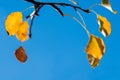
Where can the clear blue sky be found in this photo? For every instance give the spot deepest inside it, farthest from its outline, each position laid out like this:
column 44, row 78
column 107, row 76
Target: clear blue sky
column 56, row 50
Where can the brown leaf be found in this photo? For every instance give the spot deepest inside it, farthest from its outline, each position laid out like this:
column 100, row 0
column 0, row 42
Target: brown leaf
column 20, row 54
column 106, row 4
column 95, row 50
column 93, row 61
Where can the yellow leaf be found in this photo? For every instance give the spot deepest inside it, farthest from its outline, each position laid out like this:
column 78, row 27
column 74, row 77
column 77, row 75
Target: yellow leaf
column 95, row 50
column 12, row 22
column 20, row 54
column 106, row 4
column 105, row 27
column 22, row 33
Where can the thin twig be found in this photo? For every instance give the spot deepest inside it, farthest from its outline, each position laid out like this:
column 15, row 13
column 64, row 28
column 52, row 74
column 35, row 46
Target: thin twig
column 28, row 8
column 94, row 12
column 81, row 18
column 83, row 26
column 30, row 29
column 94, row 5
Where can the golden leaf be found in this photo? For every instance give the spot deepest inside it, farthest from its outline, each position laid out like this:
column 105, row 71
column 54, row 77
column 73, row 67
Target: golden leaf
column 15, row 26
column 105, row 27
column 22, row 33
column 106, row 4
column 20, row 54
column 95, row 50
column 12, row 22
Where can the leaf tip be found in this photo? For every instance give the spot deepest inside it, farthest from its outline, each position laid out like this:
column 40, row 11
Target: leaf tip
column 95, row 50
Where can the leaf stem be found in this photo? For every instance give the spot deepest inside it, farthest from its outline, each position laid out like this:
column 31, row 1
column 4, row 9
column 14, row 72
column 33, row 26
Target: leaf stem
column 94, row 12
column 81, row 18
column 83, row 26
column 28, row 8
column 92, row 6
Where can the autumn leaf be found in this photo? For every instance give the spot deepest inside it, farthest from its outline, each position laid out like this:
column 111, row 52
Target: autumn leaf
column 22, row 33
column 15, row 26
column 20, row 54
column 104, row 25
column 95, row 50
column 106, row 4
column 12, row 22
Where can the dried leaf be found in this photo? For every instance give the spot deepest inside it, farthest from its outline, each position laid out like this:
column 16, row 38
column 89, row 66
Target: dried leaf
column 22, row 33
column 95, row 50
column 12, row 22
column 106, row 4
column 104, row 25
column 20, row 54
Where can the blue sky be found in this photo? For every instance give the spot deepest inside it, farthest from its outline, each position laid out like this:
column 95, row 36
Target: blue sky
column 56, row 49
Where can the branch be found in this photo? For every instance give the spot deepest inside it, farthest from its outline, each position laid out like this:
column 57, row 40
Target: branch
column 37, row 4
column 58, row 9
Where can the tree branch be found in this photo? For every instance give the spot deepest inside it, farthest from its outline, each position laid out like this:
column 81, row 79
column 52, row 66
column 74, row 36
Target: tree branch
column 37, row 4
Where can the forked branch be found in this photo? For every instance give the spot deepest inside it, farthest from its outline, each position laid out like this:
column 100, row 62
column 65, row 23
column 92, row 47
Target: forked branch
column 39, row 5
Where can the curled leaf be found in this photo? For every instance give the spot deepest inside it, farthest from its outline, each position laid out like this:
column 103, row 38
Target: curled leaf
column 20, row 54
column 104, row 25
column 22, row 33
column 95, row 50
column 12, row 22
column 106, row 4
